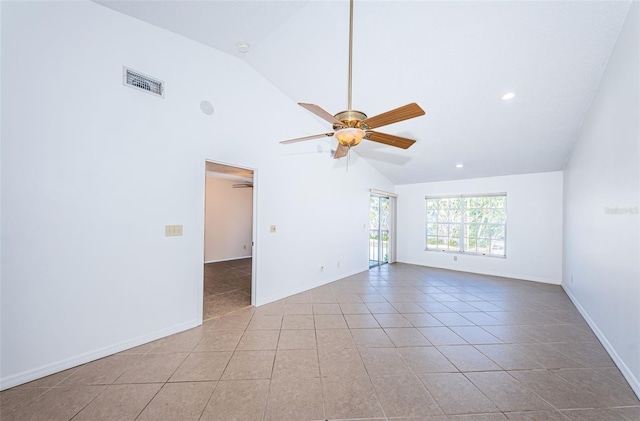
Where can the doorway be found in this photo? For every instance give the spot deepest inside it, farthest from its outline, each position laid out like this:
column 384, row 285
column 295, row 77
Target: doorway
column 229, row 261
column 379, row 230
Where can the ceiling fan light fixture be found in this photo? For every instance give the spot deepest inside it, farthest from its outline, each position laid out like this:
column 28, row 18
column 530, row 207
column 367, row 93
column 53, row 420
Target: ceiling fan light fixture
column 349, row 136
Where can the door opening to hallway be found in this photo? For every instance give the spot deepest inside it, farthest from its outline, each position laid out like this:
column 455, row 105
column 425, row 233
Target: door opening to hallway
column 228, row 239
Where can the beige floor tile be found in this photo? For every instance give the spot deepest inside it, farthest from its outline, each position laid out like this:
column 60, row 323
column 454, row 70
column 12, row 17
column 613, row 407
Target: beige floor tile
column 555, row 390
column 384, row 361
column 361, row 321
column 297, row 339
column 323, row 298
column 354, row 308
column 152, row 368
column 298, row 308
column 233, row 322
column 349, row 400
column 265, row 322
column 372, row 298
column 180, row 342
column 119, row 402
column 333, row 308
column 329, row 321
column 588, row 354
column 381, row 308
column 371, row 338
column 295, row 399
column 453, row 319
column 406, row 336
column 511, row 334
column 341, row 363
column 303, row 297
column 246, row 365
column 348, row 298
column 536, row 416
column 455, row 394
column 404, row 396
column 57, row 404
column 475, row 335
column 467, row 358
column 298, row 321
column 545, row 356
column 52, row 380
column 178, row 402
column 422, row 320
column 237, row 400
column 296, row 363
column 592, row 414
column 610, row 392
column 408, row 308
column 13, row 399
column 334, row 339
column 103, row 371
column 478, row 417
column 507, row 393
column 257, row 340
column 441, row 336
column 509, row 357
column 202, row 366
column 632, row 412
column 427, row 360
column 219, row 340
column 392, row 320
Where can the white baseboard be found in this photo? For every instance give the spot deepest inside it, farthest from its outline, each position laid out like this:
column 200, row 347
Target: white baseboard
column 227, row 260
column 46, row 370
column 624, row 369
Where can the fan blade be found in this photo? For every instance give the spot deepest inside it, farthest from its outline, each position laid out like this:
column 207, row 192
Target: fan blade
column 341, row 151
column 399, row 114
column 302, row 139
column 321, row 113
column 389, row 139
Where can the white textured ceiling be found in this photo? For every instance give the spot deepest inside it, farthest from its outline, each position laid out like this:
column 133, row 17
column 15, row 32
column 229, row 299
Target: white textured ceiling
column 454, row 58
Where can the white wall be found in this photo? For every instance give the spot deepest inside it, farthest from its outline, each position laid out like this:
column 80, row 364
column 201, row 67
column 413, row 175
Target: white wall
column 601, row 251
column 228, row 220
column 86, row 269
column 534, row 226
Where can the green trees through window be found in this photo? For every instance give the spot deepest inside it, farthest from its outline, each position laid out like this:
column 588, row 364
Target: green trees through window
column 469, row 224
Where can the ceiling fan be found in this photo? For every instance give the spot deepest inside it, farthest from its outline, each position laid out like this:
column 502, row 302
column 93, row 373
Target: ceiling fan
column 351, row 126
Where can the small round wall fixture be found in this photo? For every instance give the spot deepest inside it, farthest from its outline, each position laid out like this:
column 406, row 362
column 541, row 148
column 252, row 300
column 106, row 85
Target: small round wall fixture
column 242, row 46
column 206, row 107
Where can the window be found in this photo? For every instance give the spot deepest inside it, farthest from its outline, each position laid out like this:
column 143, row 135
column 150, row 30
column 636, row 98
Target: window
column 468, row 224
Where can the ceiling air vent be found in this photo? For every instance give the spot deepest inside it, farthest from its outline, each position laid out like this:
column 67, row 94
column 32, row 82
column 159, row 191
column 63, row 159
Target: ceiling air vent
column 143, row 82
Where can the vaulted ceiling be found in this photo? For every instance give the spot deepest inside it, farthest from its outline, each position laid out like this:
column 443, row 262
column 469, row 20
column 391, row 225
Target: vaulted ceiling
column 454, row 58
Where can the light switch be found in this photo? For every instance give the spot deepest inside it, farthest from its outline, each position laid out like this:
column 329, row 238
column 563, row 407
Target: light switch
column 172, row 230
column 272, row 228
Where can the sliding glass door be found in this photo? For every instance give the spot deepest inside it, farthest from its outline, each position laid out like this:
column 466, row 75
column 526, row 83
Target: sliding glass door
column 379, row 233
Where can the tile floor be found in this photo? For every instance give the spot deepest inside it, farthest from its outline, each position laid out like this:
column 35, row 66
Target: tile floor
column 227, row 287
column 399, row 342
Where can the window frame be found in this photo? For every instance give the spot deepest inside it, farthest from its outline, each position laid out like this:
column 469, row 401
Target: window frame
column 462, row 223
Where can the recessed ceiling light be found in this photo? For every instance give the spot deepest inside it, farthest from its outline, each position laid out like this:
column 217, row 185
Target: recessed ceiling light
column 459, row 165
column 508, row 96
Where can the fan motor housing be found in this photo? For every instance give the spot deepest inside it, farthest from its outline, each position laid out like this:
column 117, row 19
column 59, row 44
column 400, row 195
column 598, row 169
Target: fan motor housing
column 350, row 118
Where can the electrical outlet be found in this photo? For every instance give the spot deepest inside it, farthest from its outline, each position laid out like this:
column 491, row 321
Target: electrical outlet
column 455, row 258
column 338, row 264
column 571, row 278
column 172, row 230
column 244, row 247
column 321, row 268
column 272, row 228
